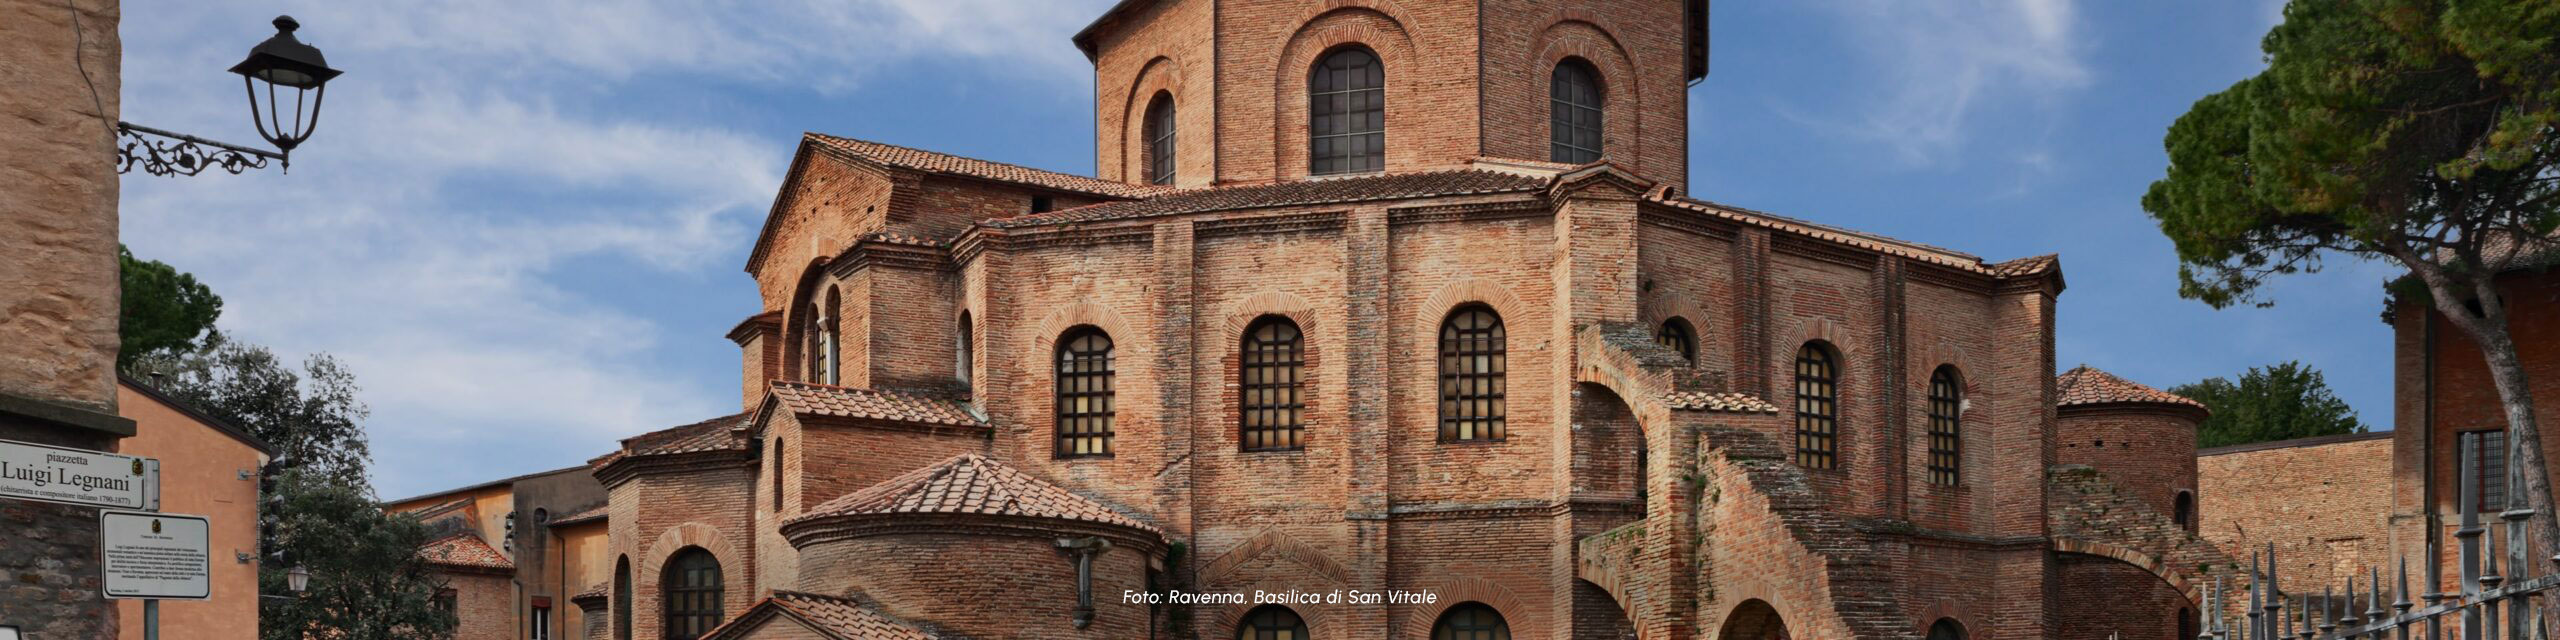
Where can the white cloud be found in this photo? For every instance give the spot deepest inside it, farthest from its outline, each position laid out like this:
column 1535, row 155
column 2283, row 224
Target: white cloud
column 1937, row 66
column 472, row 173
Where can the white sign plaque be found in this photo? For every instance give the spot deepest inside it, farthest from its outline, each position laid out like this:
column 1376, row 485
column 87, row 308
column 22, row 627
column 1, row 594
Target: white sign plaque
column 155, row 555
column 77, row 476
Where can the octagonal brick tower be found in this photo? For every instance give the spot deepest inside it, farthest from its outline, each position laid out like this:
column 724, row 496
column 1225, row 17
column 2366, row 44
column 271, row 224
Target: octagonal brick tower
column 1461, row 81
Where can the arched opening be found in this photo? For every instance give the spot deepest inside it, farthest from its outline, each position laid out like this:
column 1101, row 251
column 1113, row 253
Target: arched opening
column 1946, row 427
column 1597, row 614
column 1474, row 361
column 1270, row 376
column 1347, row 112
column 1159, row 133
column 1471, row 621
column 1609, row 449
column 2182, row 509
column 1753, row 620
column 1678, row 335
column 1085, row 393
column 964, row 352
column 1946, row 629
column 2187, row 621
column 1817, row 406
column 2139, row 598
column 690, row 592
column 622, row 598
column 1575, row 109
column 1272, row 622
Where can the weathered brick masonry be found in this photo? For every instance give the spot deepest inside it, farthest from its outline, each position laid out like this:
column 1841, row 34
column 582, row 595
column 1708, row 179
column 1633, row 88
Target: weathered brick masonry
column 933, row 331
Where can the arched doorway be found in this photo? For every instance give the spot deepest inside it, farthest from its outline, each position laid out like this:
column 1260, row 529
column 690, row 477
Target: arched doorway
column 1609, row 450
column 1754, row 620
column 1946, row 629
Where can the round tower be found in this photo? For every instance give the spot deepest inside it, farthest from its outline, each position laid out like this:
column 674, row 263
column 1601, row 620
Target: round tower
column 2142, row 438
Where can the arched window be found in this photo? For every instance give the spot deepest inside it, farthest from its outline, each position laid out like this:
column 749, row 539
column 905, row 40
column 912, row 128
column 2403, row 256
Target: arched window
column 622, row 598
column 1272, row 622
column 1159, row 133
column 965, row 352
column 1946, row 629
column 1677, row 335
column 692, row 594
column 1946, row 427
column 821, row 330
column 1471, row 621
column 1574, row 99
column 1269, row 381
column 1347, row 113
column 1084, row 393
column 777, row 474
column 2183, row 511
column 1471, row 375
column 1817, row 407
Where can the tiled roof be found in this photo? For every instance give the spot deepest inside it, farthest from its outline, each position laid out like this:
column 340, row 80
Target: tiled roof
column 1389, row 186
column 842, row 617
column 597, row 592
column 1717, row 402
column 716, row 434
column 947, row 164
column 972, row 483
column 843, row 402
column 2026, row 266
column 595, row 513
column 464, row 549
column 1872, row 242
column 2087, row 385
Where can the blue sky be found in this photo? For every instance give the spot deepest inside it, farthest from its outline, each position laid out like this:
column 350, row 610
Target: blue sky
column 522, row 223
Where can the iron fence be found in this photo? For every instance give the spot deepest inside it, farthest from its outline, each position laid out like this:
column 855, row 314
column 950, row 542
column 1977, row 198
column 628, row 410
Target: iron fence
column 2491, row 602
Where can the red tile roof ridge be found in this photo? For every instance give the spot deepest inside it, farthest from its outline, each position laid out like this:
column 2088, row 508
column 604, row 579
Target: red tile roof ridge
column 959, row 165
column 463, row 548
column 850, row 402
column 975, row 484
column 1934, row 254
column 2086, row 385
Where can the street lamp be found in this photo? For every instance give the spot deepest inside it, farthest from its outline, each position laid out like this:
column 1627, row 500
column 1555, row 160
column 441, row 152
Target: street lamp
column 281, row 61
column 297, row 578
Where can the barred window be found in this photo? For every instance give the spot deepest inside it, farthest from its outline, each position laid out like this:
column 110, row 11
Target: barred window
column 1471, row 375
column 2489, row 467
column 1159, row 133
column 1347, row 113
column 1272, row 622
column 1677, row 335
column 1817, row 407
column 1574, row 99
column 1946, row 427
column 1270, row 380
column 692, row 594
column 1084, row 393
column 1471, row 621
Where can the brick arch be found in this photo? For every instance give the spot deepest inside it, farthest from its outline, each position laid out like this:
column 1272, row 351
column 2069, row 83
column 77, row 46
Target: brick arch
column 1376, row 24
column 1580, row 34
column 1945, row 353
column 1161, row 73
column 1124, row 335
column 1278, row 543
column 2140, row 560
column 677, row 538
column 794, row 313
column 1269, row 303
column 1949, row 609
column 1318, row 617
column 1740, row 591
column 1842, row 342
column 1463, row 291
column 1469, row 588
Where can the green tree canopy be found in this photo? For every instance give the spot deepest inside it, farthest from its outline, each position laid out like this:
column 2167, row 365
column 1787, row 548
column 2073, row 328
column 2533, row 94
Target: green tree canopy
column 367, row 579
column 2281, row 402
column 164, row 309
column 312, row 416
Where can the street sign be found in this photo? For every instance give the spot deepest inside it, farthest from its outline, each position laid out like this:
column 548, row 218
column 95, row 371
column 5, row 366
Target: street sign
column 155, row 555
column 78, row 477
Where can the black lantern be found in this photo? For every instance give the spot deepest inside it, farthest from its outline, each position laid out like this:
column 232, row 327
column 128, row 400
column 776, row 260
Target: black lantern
column 283, row 61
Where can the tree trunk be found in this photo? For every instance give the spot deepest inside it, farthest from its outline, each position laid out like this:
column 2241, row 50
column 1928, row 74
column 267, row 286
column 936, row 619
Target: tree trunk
column 2506, row 371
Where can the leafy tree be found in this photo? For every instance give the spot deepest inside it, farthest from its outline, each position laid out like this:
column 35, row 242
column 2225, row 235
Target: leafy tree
column 2280, row 402
column 312, row 417
column 2421, row 132
column 164, row 309
column 367, row 580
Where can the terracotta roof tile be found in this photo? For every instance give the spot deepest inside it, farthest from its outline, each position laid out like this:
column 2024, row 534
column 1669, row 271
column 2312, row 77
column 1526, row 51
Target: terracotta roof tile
column 1390, row 186
column 1872, row 242
column 972, row 483
column 596, row 513
column 1717, row 402
column 464, row 549
column 2026, row 266
column 598, row 592
column 844, row 402
column 2087, row 385
column 944, row 163
column 842, row 617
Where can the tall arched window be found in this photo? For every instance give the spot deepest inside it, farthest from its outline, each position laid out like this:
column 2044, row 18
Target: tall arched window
column 1159, row 133
column 1347, row 113
column 1471, row 375
column 1270, row 377
column 1946, row 427
column 777, row 474
column 1084, row 393
column 1677, row 335
column 1471, row 621
column 1575, row 105
column 1817, row 407
column 622, row 598
column 691, row 593
column 1272, row 622
column 965, row 352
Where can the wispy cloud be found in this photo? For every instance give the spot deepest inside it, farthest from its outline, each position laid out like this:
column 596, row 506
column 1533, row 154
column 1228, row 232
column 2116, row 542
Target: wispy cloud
column 1932, row 68
column 479, row 168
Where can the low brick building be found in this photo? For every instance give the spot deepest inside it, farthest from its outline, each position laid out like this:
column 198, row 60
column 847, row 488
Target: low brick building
column 514, row 551
column 1405, row 302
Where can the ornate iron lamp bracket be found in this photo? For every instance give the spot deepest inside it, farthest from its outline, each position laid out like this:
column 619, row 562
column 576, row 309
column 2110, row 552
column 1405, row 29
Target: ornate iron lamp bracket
column 165, row 153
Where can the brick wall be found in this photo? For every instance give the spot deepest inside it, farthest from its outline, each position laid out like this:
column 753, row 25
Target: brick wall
column 483, row 606
column 987, row 585
column 2441, row 388
column 2322, row 502
column 2149, row 450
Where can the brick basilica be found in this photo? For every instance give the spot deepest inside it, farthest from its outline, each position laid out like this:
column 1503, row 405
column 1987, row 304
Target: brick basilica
column 1389, row 296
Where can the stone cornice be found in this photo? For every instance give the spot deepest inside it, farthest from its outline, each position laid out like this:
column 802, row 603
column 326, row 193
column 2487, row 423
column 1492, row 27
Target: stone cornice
column 625, row 468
